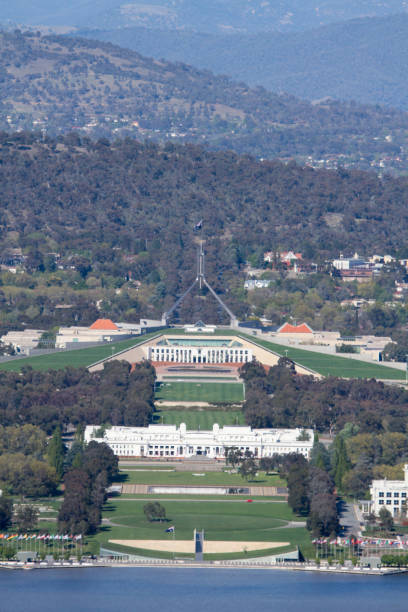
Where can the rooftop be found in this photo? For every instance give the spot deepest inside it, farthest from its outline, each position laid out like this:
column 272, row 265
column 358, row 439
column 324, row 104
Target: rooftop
column 287, row 328
column 104, row 324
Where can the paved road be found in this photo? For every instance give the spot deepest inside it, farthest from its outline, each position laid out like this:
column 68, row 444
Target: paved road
column 349, row 519
column 285, row 524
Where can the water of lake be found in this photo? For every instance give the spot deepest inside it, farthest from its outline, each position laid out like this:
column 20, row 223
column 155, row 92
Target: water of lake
column 197, row 590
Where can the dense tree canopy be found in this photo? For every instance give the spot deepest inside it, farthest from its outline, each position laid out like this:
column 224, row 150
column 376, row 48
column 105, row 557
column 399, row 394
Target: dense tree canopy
column 124, row 213
column 53, row 398
column 281, row 398
column 85, row 489
column 23, row 475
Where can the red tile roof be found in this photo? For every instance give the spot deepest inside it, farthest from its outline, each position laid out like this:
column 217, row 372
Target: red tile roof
column 104, row 324
column 287, row 328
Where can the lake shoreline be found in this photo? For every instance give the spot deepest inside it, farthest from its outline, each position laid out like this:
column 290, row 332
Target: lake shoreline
column 290, row 567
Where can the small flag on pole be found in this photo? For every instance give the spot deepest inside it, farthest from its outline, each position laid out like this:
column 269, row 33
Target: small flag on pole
column 198, row 226
column 171, row 529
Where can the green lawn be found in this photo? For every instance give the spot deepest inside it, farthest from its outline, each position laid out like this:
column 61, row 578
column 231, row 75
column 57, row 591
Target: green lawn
column 327, row 365
column 203, row 419
column 76, row 358
column 200, row 392
column 133, row 476
column 332, row 365
column 230, row 521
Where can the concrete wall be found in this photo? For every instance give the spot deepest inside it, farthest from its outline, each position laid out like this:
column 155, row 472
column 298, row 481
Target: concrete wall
column 261, row 354
column 132, row 355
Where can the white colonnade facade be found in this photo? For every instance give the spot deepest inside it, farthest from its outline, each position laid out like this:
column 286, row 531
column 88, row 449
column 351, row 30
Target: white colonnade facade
column 173, row 441
column 183, row 350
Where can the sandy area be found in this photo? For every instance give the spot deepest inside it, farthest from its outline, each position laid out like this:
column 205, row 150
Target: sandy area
column 187, row 546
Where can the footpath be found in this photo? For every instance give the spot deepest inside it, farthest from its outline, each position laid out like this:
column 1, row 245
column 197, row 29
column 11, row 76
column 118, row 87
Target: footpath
column 250, row 564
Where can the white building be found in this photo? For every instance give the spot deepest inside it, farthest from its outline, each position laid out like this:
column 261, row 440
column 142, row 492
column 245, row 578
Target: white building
column 78, row 335
column 23, row 341
column 390, row 494
column 200, row 350
column 344, row 263
column 104, row 330
column 257, row 283
column 200, row 327
column 173, row 441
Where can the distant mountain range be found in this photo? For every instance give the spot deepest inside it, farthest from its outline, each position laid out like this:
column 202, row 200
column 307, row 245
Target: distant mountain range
column 364, row 59
column 210, row 16
column 58, row 84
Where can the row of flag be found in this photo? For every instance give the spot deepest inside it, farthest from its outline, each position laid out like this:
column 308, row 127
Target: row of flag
column 400, row 543
column 44, row 537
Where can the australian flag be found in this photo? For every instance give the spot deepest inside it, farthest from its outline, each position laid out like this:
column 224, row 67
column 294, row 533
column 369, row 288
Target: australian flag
column 198, row 226
column 171, row 529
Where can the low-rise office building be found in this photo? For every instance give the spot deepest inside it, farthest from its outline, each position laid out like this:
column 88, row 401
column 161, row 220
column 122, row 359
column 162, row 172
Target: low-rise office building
column 390, row 494
column 104, row 330
column 173, row 441
column 23, row 341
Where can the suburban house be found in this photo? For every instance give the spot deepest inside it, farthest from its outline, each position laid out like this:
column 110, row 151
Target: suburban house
column 401, row 291
column 287, row 257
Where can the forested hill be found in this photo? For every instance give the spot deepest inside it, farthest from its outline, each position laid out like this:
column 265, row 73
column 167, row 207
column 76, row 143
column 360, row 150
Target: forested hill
column 362, row 59
column 59, row 84
column 129, row 208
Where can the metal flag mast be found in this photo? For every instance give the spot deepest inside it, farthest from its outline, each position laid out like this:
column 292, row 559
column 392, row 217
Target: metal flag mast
column 201, row 281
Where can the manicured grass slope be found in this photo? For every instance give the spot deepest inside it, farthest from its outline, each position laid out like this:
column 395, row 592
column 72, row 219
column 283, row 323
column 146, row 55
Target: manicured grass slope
column 200, row 392
column 223, row 520
column 332, row 365
column 203, row 419
column 75, row 358
column 327, row 365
